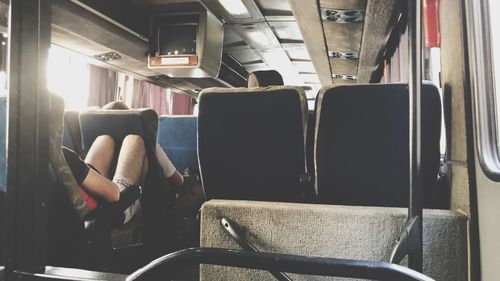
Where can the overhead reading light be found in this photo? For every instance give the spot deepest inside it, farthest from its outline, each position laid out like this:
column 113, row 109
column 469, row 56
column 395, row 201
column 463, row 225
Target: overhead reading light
column 236, row 8
column 258, row 37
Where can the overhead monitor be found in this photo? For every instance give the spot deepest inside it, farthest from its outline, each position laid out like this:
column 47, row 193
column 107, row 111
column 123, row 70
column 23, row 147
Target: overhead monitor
column 186, row 41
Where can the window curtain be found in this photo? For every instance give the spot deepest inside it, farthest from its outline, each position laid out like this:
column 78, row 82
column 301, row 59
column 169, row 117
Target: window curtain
column 103, row 84
column 163, row 101
column 147, row 95
column 396, row 68
column 181, row 104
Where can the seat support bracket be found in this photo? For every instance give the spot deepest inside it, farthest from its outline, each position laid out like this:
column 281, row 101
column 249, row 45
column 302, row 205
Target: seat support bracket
column 407, row 242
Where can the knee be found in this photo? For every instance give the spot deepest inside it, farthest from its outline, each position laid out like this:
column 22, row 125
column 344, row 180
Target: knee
column 106, row 140
column 135, row 141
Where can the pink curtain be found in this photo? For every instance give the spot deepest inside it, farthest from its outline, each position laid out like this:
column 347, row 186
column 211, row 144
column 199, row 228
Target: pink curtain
column 103, row 85
column 147, row 95
column 181, row 104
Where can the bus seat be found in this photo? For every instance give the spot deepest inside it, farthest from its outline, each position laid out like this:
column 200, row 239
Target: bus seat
column 264, row 78
column 177, row 135
column 158, row 196
column 362, row 144
column 118, row 124
column 72, row 137
column 350, row 232
column 251, row 143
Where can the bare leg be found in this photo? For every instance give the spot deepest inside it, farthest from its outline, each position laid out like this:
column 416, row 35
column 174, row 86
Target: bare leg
column 132, row 161
column 101, row 155
column 100, row 186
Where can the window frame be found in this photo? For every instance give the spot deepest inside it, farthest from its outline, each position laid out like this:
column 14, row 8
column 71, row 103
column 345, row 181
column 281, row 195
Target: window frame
column 482, row 84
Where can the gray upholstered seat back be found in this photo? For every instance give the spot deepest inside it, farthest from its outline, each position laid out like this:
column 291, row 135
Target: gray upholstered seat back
column 251, row 143
column 351, row 232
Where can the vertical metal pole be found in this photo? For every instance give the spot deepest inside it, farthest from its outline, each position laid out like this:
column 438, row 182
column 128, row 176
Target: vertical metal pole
column 415, row 87
column 28, row 134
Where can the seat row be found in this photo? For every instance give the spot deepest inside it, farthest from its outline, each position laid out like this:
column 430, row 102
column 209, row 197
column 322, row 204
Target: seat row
column 254, row 144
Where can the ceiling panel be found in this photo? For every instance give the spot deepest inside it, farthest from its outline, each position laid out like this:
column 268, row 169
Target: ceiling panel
column 343, row 4
column 297, row 51
column 286, row 30
column 304, row 66
column 343, row 37
column 270, row 40
column 255, row 66
column 275, row 7
column 309, row 78
column 230, row 36
column 244, row 55
column 343, row 66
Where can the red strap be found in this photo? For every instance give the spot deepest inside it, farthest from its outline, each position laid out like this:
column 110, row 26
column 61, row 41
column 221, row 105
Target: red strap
column 91, row 202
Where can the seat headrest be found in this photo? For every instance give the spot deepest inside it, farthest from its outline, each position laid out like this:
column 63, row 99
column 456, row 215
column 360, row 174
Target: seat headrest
column 264, row 78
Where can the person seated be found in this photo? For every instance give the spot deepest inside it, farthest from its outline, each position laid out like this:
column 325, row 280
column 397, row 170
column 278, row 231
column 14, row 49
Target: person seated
column 93, row 174
column 173, row 176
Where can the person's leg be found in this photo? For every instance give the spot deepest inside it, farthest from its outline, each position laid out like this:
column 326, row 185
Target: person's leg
column 101, row 154
column 90, row 180
column 131, row 168
column 132, row 160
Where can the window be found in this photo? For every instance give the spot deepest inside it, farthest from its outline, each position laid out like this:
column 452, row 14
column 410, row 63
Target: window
column 68, row 77
column 495, row 44
column 484, row 53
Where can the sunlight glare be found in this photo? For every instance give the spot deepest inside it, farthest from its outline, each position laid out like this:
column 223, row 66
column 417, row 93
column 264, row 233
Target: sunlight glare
column 68, row 77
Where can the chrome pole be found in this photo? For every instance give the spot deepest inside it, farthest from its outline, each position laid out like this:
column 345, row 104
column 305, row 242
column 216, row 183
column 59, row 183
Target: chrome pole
column 415, row 88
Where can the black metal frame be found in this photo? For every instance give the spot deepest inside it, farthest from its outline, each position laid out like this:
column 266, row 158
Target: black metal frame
column 411, row 238
column 278, row 262
column 28, row 134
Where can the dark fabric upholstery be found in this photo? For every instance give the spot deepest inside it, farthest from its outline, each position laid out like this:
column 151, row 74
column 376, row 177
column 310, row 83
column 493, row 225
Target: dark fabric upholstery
column 118, row 124
column 177, row 135
column 264, row 78
column 72, row 137
column 251, row 143
column 362, row 144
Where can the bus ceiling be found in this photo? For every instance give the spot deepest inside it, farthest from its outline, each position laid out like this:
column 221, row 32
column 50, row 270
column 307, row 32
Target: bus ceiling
column 311, row 43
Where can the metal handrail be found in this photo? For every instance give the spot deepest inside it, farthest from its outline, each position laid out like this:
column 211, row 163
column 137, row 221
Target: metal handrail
column 373, row 270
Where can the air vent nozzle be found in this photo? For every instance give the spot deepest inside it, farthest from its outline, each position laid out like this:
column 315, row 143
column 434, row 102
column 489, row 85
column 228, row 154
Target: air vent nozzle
column 342, row 15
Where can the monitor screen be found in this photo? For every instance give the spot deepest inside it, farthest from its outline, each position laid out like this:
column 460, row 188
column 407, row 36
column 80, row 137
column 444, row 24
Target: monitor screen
column 177, row 39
